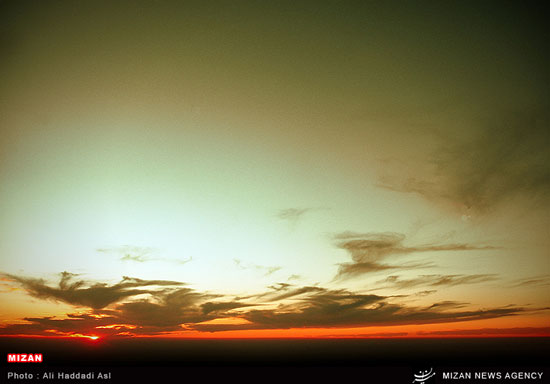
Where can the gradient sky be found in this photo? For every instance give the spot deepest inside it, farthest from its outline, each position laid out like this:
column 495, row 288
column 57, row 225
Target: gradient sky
column 254, row 168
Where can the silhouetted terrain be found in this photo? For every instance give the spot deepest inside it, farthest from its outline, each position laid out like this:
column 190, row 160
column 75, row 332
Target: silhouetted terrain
column 392, row 359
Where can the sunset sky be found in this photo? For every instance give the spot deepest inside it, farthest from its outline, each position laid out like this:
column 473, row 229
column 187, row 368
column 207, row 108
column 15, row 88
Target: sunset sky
column 274, row 169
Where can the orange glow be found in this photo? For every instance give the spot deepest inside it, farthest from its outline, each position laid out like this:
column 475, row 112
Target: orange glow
column 97, row 316
column 227, row 320
column 78, row 335
column 534, row 325
column 117, row 326
column 528, row 326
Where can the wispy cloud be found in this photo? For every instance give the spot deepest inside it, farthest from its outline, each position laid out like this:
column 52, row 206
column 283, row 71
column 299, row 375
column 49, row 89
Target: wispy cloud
column 367, row 250
column 265, row 270
column 525, row 331
column 328, row 309
column 216, row 307
column 397, row 282
column 503, row 159
column 129, row 252
column 141, row 254
column 348, row 270
column 83, row 293
column 71, row 324
column 448, row 304
column 293, row 215
column 367, row 335
column 165, row 309
column 116, row 309
column 540, row 280
column 297, row 292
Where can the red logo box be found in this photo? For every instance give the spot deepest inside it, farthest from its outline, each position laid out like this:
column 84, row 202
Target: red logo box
column 24, row 357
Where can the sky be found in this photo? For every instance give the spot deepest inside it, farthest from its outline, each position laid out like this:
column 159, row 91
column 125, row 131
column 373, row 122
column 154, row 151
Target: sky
column 274, row 169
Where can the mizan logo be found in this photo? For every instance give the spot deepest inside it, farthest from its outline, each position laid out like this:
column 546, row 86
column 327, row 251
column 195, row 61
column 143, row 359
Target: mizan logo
column 422, row 376
column 24, row 357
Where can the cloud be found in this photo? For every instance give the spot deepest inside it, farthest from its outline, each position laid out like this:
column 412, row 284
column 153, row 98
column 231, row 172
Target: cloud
column 349, row 270
column 426, row 292
column 526, row 331
column 298, row 292
column 222, row 306
column 367, row 250
column 265, row 270
column 81, row 293
column 533, row 281
column 280, row 286
column 447, row 305
column 501, row 159
column 72, row 324
column 293, row 214
column 129, row 252
column 367, row 335
column 140, row 254
column 341, row 308
column 167, row 310
column 436, row 280
column 358, row 310
column 141, row 259
column 172, row 308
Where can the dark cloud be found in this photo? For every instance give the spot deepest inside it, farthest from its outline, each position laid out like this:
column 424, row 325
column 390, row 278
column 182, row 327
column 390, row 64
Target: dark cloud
column 82, row 325
column 351, row 312
column 349, row 270
column 170, row 308
column 367, row 335
column 280, row 286
column 345, row 309
column 321, row 307
column 367, row 250
column 166, row 309
column 376, row 246
column 82, row 293
column 297, row 292
column 222, row 306
column 437, row 280
column 73, row 324
column 500, row 160
column 533, row 281
column 526, row 331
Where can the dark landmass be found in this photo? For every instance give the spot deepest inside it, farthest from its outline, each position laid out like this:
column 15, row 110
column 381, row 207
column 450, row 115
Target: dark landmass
column 284, row 352
column 383, row 360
